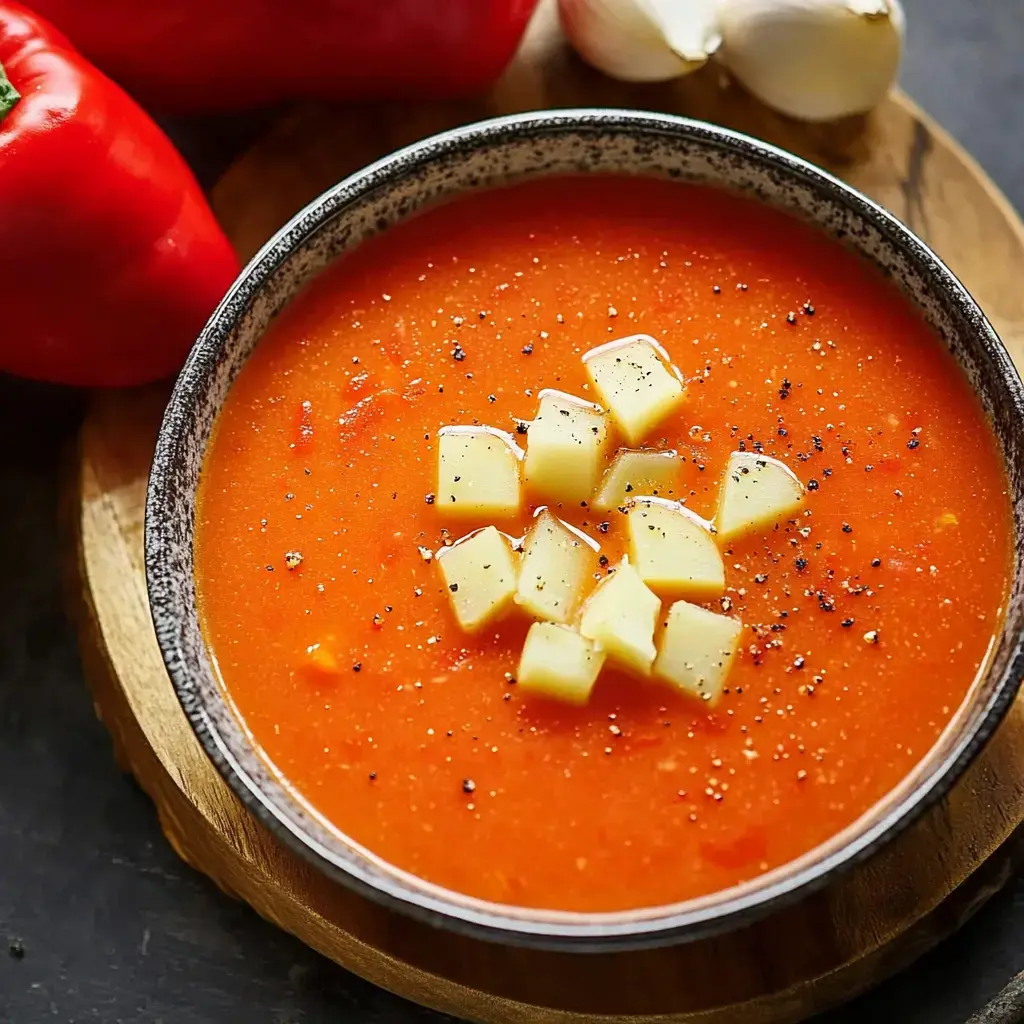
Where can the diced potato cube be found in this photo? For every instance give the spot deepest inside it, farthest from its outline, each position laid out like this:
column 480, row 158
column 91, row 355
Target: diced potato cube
column 559, row 663
column 758, row 492
column 620, row 616
column 565, row 448
column 320, row 664
column 633, row 474
column 635, row 379
column 674, row 550
column 477, row 472
column 696, row 650
column 480, row 574
column 555, row 570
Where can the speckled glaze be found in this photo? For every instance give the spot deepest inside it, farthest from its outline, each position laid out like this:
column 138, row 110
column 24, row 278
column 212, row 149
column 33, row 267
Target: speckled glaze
column 478, row 156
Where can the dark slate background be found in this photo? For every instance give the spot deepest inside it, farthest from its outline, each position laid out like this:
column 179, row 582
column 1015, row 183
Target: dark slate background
column 105, row 924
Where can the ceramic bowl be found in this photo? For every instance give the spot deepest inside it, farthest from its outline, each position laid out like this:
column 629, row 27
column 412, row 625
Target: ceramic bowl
column 490, row 153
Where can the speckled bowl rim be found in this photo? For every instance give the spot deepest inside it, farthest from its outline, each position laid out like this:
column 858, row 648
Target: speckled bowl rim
column 169, row 579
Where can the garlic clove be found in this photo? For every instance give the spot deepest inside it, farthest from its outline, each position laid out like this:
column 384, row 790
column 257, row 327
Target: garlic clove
column 815, row 60
column 642, row 40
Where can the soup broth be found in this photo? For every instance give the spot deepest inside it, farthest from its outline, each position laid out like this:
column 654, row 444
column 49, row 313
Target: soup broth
column 865, row 617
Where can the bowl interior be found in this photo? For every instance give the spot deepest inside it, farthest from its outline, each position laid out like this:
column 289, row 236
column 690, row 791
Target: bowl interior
column 485, row 155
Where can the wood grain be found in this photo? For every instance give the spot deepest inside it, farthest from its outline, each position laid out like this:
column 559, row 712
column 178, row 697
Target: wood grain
column 865, row 925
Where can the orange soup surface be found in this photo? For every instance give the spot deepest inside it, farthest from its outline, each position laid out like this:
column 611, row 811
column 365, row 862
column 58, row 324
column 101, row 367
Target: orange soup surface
column 864, row 622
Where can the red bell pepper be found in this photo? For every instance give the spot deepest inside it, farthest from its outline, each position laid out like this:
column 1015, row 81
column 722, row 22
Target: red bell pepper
column 188, row 56
column 110, row 258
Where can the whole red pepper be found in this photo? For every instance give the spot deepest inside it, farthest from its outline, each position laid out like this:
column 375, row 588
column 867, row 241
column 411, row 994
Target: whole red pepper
column 190, row 56
column 110, row 258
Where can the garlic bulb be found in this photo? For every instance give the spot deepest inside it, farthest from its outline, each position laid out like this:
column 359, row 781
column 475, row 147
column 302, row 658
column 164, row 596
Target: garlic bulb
column 813, row 59
column 642, row 40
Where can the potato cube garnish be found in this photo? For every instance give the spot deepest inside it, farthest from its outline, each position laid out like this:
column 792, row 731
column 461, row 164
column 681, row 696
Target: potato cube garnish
column 620, row 616
column 555, row 569
column 696, row 650
column 480, row 574
column 558, row 663
column 565, row 448
column 674, row 550
column 758, row 493
column 477, row 472
column 636, row 473
column 635, row 380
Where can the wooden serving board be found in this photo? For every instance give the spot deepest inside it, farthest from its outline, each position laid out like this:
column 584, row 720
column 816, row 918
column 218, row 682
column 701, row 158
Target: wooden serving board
column 867, row 924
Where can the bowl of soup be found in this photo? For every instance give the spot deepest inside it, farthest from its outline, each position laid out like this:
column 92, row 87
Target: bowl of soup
column 591, row 529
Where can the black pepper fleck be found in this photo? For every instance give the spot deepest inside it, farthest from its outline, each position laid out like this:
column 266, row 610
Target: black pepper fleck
column 468, row 786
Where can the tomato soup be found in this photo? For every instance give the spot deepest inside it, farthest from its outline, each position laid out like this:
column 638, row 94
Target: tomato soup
column 865, row 619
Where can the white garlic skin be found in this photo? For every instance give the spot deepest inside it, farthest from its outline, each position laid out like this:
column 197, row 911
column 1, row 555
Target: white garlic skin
column 816, row 60
column 642, row 40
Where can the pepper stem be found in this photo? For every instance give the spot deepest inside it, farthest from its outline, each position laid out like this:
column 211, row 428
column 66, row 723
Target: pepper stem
column 9, row 96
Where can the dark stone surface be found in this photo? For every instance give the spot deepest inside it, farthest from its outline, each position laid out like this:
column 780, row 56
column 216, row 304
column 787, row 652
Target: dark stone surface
column 102, row 921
